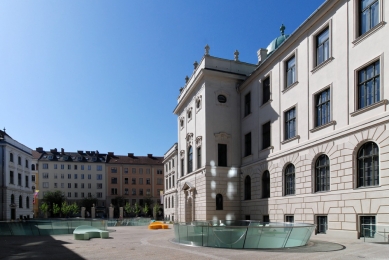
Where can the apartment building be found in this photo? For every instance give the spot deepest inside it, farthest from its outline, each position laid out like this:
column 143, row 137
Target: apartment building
column 301, row 136
column 134, row 178
column 78, row 174
column 16, row 194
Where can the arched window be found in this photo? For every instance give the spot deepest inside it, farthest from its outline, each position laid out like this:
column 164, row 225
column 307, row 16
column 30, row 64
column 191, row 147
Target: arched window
column 266, row 184
column 12, row 199
column 33, row 167
column 247, row 188
column 289, row 180
column 20, row 201
column 11, row 157
column 190, row 159
column 322, row 173
column 27, row 202
column 368, row 165
column 219, row 201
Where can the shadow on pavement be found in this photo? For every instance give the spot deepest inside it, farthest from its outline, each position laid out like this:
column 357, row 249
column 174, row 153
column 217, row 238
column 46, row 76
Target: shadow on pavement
column 34, row 247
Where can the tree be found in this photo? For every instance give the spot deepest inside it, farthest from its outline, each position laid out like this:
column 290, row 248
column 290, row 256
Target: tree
column 127, row 208
column 137, row 209
column 53, row 197
column 74, row 208
column 44, row 208
column 56, row 209
column 146, row 209
column 156, row 209
column 65, row 208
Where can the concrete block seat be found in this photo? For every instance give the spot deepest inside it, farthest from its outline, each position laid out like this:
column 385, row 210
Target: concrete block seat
column 86, row 232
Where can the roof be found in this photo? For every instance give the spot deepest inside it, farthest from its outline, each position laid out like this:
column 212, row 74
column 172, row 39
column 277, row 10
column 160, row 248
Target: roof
column 277, row 41
column 132, row 159
column 80, row 156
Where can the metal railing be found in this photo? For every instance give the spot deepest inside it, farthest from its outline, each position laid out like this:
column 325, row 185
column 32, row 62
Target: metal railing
column 377, row 233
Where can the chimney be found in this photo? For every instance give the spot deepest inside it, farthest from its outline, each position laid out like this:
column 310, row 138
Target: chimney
column 150, row 155
column 262, row 55
column 80, row 151
column 62, row 151
column 110, row 153
column 53, row 150
column 97, row 152
column 131, row 155
column 39, row 149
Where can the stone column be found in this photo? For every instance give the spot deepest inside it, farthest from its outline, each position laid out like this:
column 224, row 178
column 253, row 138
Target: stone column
column 83, row 212
column 193, row 205
column 111, row 211
column 121, row 212
column 93, row 209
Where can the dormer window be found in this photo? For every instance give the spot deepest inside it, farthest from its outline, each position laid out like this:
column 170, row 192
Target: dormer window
column 79, row 158
column 94, row 159
column 65, row 158
column 50, row 157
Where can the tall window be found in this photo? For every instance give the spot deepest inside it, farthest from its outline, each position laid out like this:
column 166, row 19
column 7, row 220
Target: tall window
column 323, row 107
column 222, row 154
column 247, row 188
column 290, row 123
column 289, row 180
column 291, row 71
column 11, row 157
column 321, row 224
column 114, row 180
column 247, row 144
column 19, row 179
column 266, row 184
column 369, row 15
column 12, row 199
column 322, row 173
column 11, row 177
column 219, row 201
column 323, row 46
column 20, row 160
column 26, row 164
column 27, row 202
column 247, row 104
column 266, row 90
column 266, row 135
column 20, row 201
column 198, row 158
column 182, row 167
column 190, row 159
column 369, row 85
column 368, row 165
column 368, row 227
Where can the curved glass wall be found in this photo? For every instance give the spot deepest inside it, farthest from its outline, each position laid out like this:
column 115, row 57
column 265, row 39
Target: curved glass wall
column 243, row 234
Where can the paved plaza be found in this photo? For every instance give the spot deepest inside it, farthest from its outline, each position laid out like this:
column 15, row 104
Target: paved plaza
column 141, row 243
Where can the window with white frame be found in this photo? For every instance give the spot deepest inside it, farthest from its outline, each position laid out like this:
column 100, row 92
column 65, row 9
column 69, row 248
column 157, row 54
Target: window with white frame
column 323, row 107
column 369, row 15
column 369, row 85
column 323, row 46
column 290, row 123
column 290, row 71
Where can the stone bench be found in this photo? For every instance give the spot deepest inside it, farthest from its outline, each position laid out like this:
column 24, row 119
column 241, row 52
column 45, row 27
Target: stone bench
column 85, row 232
column 158, row 225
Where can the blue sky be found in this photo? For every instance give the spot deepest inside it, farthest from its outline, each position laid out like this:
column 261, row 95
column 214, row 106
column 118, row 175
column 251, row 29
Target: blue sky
column 105, row 75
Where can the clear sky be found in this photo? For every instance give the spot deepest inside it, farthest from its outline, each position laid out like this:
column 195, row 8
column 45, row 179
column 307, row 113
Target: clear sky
column 105, row 75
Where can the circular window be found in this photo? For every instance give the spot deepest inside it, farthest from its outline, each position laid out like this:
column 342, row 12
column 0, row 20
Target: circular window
column 222, row 99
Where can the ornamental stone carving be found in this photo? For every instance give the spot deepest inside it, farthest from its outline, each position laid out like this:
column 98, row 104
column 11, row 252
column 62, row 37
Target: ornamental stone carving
column 182, row 154
column 199, row 140
column 189, row 139
column 222, row 136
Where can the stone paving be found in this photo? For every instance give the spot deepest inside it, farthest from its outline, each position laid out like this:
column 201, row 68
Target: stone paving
column 141, row 243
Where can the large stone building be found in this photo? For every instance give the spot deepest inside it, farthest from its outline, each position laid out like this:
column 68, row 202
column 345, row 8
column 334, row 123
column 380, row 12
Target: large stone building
column 134, row 178
column 301, row 136
column 16, row 193
column 170, row 194
column 78, row 174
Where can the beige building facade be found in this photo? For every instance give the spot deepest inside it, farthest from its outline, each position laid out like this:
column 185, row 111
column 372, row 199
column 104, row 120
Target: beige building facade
column 302, row 136
column 78, row 175
column 170, row 173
